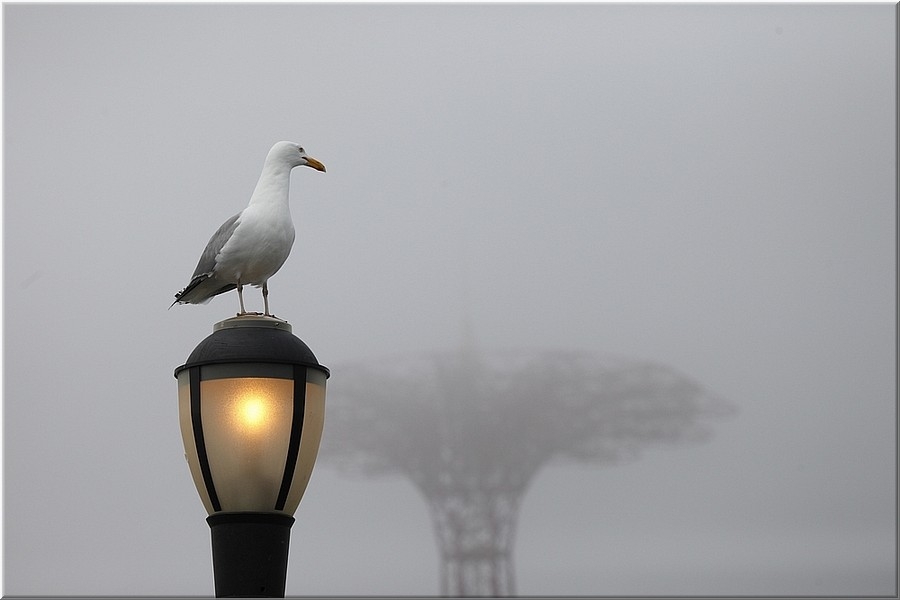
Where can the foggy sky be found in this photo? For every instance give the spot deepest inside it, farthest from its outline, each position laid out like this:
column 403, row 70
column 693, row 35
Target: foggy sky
column 709, row 187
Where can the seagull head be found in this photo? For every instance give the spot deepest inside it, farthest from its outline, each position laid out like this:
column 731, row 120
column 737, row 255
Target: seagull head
column 294, row 155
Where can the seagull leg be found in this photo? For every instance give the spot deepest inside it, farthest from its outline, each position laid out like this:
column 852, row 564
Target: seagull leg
column 265, row 290
column 240, row 290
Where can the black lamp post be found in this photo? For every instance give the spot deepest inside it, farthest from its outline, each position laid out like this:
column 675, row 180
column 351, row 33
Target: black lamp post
column 251, row 402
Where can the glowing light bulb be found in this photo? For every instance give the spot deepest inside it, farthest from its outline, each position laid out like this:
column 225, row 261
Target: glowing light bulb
column 253, row 412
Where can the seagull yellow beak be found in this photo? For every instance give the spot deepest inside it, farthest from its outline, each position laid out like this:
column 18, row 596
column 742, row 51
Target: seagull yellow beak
column 311, row 162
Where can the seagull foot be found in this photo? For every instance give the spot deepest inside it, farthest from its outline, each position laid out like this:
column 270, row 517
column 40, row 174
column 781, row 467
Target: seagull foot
column 252, row 314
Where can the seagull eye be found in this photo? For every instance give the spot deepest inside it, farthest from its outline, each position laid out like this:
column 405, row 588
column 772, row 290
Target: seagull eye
column 300, row 150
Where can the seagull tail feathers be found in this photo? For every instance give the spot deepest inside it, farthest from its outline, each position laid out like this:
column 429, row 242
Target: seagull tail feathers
column 198, row 293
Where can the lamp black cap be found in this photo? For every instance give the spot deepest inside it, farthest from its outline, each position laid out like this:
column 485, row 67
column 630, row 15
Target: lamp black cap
column 252, row 339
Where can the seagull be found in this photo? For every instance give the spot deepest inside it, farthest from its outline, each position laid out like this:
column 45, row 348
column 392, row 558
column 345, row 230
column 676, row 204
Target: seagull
column 252, row 245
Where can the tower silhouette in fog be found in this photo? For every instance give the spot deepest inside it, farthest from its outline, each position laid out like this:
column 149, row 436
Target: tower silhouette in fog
column 471, row 430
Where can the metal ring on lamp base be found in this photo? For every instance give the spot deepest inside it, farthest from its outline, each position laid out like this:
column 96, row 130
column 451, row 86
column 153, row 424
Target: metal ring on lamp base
column 250, row 553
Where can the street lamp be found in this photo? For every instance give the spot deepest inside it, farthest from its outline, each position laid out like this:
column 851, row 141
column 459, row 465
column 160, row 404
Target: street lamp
column 251, row 403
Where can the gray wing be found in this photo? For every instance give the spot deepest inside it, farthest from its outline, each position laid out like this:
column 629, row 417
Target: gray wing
column 198, row 291
column 214, row 246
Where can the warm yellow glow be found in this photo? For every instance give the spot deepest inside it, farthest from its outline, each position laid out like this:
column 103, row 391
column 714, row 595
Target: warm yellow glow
column 246, row 432
column 252, row 411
